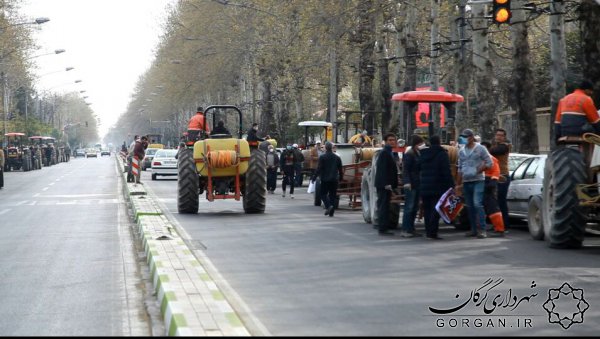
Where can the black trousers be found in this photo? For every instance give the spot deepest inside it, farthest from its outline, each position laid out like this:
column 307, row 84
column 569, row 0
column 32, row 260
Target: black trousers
column 288, row 178
column 271, row 179
column 502, row 203
column 383, row 208
column 1, row 176
column 329, row 193
column 432, row 218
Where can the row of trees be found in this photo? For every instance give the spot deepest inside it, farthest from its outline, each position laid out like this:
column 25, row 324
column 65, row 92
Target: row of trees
column 25, row 109
column 288, row 61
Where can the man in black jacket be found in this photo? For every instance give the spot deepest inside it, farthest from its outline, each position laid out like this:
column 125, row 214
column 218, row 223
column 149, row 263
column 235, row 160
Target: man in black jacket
column 386, row 180
column 330, row 170
column 436, row 179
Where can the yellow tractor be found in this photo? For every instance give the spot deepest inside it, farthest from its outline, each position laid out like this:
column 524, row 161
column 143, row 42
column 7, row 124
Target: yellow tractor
column 224, row 166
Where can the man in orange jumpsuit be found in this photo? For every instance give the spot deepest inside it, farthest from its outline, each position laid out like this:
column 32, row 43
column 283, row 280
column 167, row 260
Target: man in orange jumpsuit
column 575, row 111
column 490, row 195
column 197, row 124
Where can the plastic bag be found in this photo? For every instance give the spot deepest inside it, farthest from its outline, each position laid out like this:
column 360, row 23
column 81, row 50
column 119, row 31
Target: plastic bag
column 449, row 205
column 311, row 187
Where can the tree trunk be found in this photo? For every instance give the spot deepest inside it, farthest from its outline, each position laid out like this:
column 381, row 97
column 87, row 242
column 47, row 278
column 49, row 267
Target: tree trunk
column 434, row 109
column 411, row 54
column 366, row 71
column 590, row 31
column 462, row 74
column 267, row 116
column 398, row 125
column 522, row 84
column 384, row 74
column 558, row 56
column 485, row 108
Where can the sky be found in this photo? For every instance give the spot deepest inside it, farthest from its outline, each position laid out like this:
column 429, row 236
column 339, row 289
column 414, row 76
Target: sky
column 110, row 44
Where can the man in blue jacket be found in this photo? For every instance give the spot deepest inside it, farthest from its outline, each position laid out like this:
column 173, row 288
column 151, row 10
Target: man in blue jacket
column 386, row 180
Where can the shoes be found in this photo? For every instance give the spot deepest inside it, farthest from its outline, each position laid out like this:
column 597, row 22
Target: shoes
column 434, row 237
column 385, row 233
column 327, row 211
column 470, row 234
column 331, row 211
column 283, row 195
column 291, row 196
column 497, row 234
column 481, row 235
column 406, row 234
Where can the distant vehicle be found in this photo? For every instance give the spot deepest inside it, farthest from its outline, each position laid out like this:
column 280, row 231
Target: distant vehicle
column 147, row 163
column 164, row 163
column 80, row 152
column 105, row 151
column 91, row 152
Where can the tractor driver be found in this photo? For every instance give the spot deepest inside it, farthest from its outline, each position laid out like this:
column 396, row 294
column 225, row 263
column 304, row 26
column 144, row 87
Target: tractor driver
column 576, row 112
column 196, row 125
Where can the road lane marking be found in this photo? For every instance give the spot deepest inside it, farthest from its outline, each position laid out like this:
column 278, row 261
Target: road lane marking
column 21, row 202
column 36, row 195
column 4, row 211
column 45, row 188
column 50, row 184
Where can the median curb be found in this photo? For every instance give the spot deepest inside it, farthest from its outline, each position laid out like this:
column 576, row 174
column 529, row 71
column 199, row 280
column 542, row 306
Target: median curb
column 190, row 301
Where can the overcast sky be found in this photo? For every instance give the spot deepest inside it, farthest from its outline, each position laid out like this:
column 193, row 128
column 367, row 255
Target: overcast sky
column 110, row 43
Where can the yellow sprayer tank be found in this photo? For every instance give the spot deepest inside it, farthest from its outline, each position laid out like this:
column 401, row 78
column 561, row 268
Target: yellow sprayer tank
column 219, row 147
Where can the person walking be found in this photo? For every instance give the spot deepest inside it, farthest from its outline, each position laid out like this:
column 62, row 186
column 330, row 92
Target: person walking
column 329, row 169
column 272, row 167
column 500, row 149
column 386, row 180
column 287, row 162
column 436, row 179
column 473, row 160
column 298, row 165
column 411, row 181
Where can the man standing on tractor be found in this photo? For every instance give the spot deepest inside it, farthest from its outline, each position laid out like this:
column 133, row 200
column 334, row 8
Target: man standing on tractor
column 196, row 125
column 576, row 112
column 252, row 134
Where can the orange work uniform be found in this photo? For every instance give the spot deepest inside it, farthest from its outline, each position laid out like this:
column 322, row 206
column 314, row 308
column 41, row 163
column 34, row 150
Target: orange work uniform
column 490, row 196
column 573, row 111
column 197, row 123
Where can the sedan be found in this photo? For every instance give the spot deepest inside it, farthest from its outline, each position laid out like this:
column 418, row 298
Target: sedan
column 80, row 152
column 164, row 163
column 147, row 163
column 90, row 152
column 526, row 182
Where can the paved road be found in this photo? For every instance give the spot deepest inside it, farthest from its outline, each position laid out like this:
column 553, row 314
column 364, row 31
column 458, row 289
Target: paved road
column 302, row 273
column 67, row 267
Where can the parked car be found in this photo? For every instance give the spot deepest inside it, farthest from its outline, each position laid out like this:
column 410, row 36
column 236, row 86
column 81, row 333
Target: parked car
column 147, row 163
column 80, row 152
column 105, row 151
column 515, row 159
column 526, row 182
column 91, row 152
column 164, row 163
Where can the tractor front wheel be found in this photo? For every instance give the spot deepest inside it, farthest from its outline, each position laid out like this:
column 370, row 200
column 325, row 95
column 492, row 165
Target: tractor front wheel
column 187, row 183
column 255, row 194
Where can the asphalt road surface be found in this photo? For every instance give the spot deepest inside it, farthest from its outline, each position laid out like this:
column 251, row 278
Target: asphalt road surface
column 67, row 265
column 302, row 273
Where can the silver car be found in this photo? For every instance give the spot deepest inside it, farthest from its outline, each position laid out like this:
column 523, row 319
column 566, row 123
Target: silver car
column 526, row 183
column 164, row 163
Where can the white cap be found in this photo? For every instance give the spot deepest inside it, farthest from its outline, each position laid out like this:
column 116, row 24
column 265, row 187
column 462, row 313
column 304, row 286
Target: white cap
column 295, row 145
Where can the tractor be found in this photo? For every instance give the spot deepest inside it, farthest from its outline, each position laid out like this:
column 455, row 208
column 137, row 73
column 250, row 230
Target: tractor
column 368, row 190
column 36, row 147
column 18, row 156
column 222, row 165
column 571, row 191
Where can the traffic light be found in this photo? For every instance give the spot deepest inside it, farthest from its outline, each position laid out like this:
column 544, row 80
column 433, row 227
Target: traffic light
column 501, row 11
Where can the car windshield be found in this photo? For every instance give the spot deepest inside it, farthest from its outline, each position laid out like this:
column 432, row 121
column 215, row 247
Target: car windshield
column 166, row 153
column 516, row 160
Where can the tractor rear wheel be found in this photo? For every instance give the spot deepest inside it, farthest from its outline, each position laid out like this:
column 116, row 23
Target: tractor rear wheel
column 562, row 217
column 187, row 183
column 26, row 163
column 255, row 194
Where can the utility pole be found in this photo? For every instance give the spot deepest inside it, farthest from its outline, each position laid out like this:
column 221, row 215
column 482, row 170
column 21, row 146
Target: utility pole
column 333, row 99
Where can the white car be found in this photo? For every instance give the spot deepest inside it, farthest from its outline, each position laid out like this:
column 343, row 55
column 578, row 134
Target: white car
column 164, row 163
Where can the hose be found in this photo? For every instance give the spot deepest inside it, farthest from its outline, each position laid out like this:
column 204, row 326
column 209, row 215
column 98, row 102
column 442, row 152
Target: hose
column 222, row 159
column 592, row 138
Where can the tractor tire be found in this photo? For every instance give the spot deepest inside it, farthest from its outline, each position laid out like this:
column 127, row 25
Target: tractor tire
column 365, row 197
column 255, row 192
column 317, row 194
column 534, row 218
column 562, row 217
column 187, row 183
column 53, row 157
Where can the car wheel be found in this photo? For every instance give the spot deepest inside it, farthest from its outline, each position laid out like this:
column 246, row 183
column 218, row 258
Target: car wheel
column 534, row 218
column 153, row 176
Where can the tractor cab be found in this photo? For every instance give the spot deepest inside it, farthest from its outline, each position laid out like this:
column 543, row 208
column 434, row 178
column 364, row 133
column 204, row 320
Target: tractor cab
column 18, row 155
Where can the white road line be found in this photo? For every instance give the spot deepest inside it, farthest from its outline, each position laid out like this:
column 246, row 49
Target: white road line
column 50, row 184
column 45, row 188
column 21, row 203
column 4, row 211
column 36, row 195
